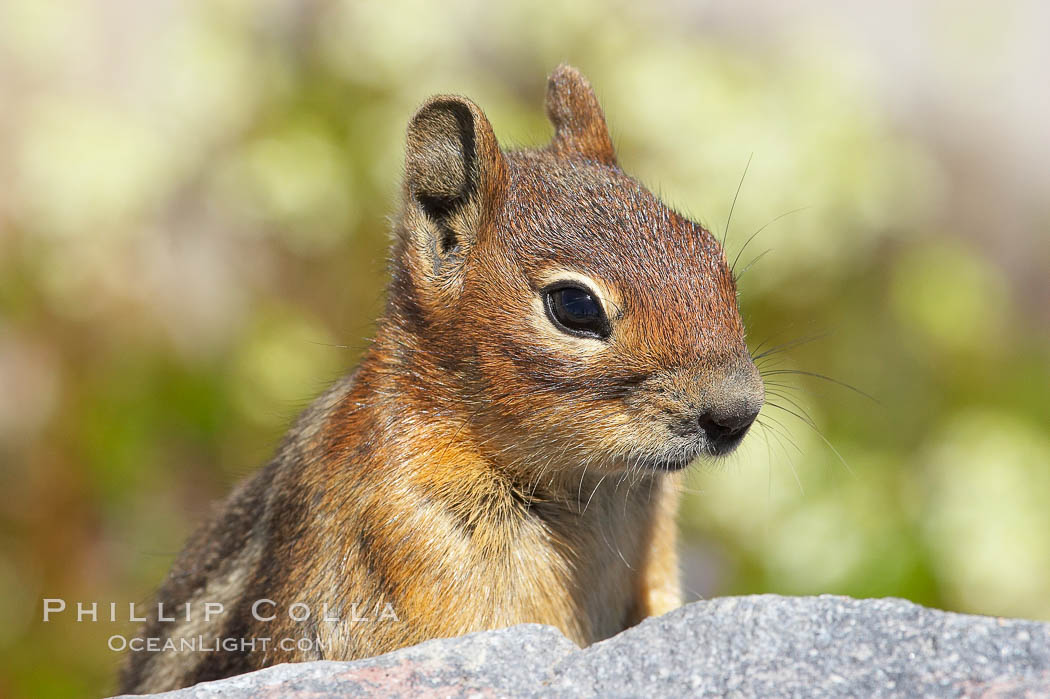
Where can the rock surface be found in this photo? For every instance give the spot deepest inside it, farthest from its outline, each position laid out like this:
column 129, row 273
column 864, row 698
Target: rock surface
column 765, row 646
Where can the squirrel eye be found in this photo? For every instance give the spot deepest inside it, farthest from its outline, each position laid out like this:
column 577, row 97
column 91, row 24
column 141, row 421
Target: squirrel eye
column 576, row 311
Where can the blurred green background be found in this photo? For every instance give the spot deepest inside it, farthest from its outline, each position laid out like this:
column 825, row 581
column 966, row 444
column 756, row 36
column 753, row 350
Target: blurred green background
column 193, row 224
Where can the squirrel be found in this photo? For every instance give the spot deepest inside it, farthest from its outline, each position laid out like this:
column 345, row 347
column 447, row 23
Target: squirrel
column 557, row 346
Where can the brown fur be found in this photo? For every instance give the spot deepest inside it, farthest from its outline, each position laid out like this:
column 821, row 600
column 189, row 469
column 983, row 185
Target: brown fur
column 481, row 468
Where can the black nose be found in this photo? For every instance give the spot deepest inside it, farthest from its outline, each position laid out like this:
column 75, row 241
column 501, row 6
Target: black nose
column 726, row 426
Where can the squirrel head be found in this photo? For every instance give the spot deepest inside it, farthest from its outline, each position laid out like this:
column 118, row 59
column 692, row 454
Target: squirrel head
column 556, row 305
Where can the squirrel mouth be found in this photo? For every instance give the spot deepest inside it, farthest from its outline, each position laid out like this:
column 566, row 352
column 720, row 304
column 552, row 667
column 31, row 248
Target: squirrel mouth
column 671, row 466
column 716, row 447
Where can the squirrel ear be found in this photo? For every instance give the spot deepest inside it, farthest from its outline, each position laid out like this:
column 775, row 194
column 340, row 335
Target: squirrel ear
column 455, row 175
column 579, row 125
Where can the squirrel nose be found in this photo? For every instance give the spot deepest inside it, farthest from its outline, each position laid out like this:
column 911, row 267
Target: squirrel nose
column 726, row 402
column 722, row 425
column 731, row 404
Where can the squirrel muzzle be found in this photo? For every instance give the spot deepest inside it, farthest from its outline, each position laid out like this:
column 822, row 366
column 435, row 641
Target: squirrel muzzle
column 729, row 403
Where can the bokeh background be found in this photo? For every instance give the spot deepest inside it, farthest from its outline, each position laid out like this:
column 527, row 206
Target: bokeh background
column 193, row 217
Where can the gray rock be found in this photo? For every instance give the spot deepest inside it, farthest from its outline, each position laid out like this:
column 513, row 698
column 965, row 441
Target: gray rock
column 813, row 646
column 490, row 663
column 766, row 646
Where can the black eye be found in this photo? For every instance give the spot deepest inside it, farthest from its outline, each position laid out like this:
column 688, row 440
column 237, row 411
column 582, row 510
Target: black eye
column 576, row 311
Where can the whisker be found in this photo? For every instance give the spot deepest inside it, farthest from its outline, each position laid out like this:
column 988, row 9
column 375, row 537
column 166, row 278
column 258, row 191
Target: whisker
column 769, row 362
column 732, row 269
column 588, row 503
column 784, row 432
column 725, row 234
column 809, row 423
column 791, row 463
column 785, row 386
column 790, row 344
column 769, row 458
column 754, row 352
column 753, row 262
column 793, row 402
column 825, row 378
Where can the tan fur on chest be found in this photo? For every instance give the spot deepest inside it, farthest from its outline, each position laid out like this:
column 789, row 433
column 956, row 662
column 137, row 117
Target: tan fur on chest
column 461, row 548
